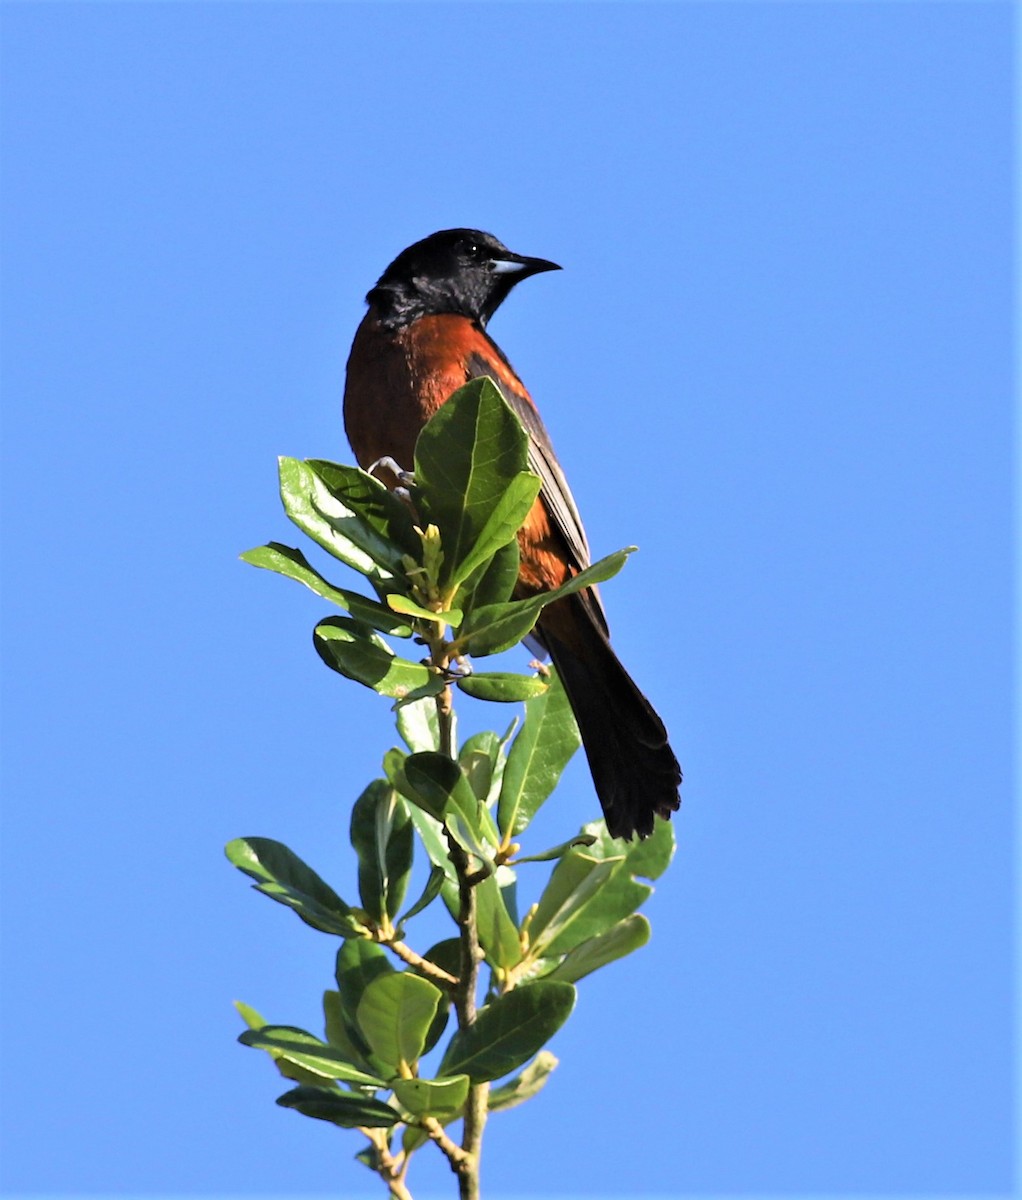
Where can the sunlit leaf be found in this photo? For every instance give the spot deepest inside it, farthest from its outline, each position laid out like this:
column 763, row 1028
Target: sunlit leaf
column 537, row 757
column 524, row 1086
column 292, row 563
column 469, row 462
column 502, row 686
column 375, row 503
column 498, row 627
column 394, row 1016
column 439, row 1098
column 280, row 874
column 287, row 1068
column 297, row 1046
column 336, row 526
column 509, row 1031
column 615, row 943
column 498, row 934
column 355, row 651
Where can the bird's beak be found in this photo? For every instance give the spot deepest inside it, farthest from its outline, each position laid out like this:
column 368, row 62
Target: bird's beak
column 517, row 264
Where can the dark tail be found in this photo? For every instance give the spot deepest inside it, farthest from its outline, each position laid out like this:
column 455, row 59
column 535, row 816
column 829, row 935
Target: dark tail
column 634, row 769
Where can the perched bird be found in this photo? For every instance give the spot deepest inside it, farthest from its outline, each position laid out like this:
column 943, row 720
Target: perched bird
column 423, row 337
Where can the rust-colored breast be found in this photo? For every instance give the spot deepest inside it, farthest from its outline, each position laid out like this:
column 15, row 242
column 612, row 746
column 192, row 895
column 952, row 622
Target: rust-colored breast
column 397, row 379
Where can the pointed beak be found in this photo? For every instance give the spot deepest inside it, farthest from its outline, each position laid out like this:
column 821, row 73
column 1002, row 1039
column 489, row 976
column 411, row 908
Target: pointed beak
column 521, row 267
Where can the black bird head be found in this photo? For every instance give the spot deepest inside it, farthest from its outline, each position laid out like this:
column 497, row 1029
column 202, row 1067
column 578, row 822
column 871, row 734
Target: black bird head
column 463, row 271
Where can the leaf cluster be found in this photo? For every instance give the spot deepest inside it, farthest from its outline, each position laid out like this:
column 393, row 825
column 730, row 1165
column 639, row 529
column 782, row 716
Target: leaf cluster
column 441, row 562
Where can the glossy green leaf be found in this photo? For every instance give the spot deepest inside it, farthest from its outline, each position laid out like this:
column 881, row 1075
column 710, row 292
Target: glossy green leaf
column 439, row 786
column 558, row 851
column 616, row 942
column 467, row 458
column 342, row 1035
column 297, row 1046
column 287, row 1068
column 292, row 563
column 395, row 1014
column 537, row 757
column 372, row 500
column 509, row 1031
column 498, row 627
column 437, row 875
column 501, row 526
column 382, row 835
column 419, row 725
column 406, row 607
column 340, row 530
column 498, row 934
column 502, row 686
column 346, row 1109
column 355, row 651
column 524, row 1086
column 441, row 1098
column 358, row 963
column 280, row 874
column 592, row 888
column 496, row 582
column 482, row 759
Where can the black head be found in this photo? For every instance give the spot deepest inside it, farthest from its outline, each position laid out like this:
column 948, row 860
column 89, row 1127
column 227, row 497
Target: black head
column 460, row 271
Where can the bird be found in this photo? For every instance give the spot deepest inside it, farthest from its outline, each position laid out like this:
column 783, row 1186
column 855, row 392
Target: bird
column 423, row 336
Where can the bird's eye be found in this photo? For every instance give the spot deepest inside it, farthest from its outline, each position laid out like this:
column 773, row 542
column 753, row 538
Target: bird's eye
column 474, row 250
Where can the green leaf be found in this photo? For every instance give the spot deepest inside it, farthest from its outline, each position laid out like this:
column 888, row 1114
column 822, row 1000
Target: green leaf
column 358, row 964
column 498, row 934
column 502, row 686
column 556, row 851
column 395, row 1014
column 496, row 582
column 281, row 875
column 524, row 1086
column 446, row 955
column 355, row 651
column 287, row 1068
column 501, row 526
column 346, row 1109
column 434, row 883
column 340, row 530
column 467, row 458
column 419, row 725
column 509, row 1031
column 408, row 608
column 619, row 940
column 498, row 627
column 381, row 833
column 441, row 1098
column 412, row 1138
column 593, row 888
column 342, row 1035
column 438, row 785
column 570, row 909
column 375, row 503
column 482, row 759
column 538, row 755
column 297, row 1046
column 285, row 560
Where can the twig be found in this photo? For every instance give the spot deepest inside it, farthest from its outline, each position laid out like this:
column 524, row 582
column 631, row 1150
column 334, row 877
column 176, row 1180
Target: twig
column 408, row 955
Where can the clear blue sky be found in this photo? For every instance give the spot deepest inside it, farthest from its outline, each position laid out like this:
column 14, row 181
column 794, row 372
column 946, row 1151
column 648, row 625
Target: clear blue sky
column 778, row 359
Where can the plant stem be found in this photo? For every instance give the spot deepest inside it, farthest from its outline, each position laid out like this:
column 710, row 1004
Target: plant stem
column 408, row 955
column 467, row 1168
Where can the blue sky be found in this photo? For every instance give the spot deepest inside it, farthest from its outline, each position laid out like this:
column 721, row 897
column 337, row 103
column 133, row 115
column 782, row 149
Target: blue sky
column 778, row 359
